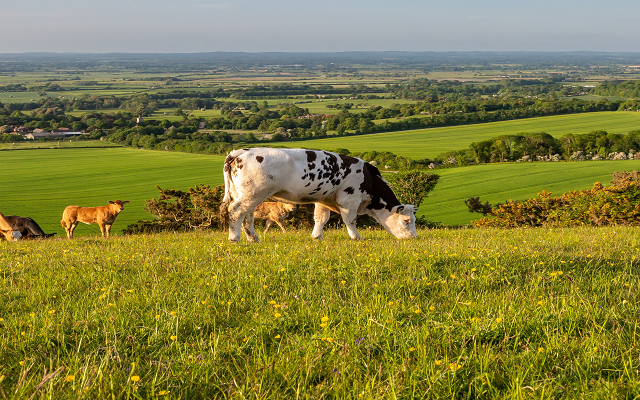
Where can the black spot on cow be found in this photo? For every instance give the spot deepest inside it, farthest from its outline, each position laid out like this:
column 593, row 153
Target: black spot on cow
column 311, row 156
column 312, row 177
column 245, row 149
column 381, row 194
column 259, row 159
column 271, row 177
column 325, row 192
column 307, row 184
column 349, row 190
column 227, row 163
column 312, row 166
column 358, row 171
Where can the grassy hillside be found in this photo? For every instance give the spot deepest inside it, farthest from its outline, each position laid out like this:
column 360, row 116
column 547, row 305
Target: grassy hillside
column 453, row 314
column 41, row 183
column 429, row 143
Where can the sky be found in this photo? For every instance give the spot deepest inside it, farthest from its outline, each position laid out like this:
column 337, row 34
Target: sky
column 189, row 26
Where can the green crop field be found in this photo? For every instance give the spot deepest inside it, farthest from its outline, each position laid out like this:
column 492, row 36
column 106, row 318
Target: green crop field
column 497, row 183
column 41, row 183
column 429, row 143
column 453, row 314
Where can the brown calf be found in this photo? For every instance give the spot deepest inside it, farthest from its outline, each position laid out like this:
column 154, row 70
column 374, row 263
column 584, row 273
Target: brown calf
column 273, row 211
column 104, row 216
column 7, row 230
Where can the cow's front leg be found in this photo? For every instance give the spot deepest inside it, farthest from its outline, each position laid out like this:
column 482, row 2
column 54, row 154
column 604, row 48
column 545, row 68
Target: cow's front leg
column 108, row 230
column 349, row 217
column 321, row 215
column 103, row 228
column 249, row 229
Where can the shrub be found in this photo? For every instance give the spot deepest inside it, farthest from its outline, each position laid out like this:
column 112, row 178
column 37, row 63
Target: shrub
column 617, row 204
column 176, row 210
column 412, row 187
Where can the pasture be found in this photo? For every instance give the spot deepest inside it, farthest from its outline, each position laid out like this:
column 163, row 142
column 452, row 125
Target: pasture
column 48, row 180
column 429, row 143
column 497, row 183
column 523, row 313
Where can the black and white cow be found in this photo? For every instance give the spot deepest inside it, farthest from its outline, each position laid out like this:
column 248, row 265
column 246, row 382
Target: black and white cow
column 346, row 185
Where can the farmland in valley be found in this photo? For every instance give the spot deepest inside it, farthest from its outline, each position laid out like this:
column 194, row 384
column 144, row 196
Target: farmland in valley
column 429, row 143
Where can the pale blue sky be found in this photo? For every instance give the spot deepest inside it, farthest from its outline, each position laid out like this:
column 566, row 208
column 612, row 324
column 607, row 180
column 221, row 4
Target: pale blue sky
column 150, row 26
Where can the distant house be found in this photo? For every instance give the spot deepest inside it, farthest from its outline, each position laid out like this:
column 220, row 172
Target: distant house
column 43, row 135
column 139, row 120
column 202, row 125
column 21, row 129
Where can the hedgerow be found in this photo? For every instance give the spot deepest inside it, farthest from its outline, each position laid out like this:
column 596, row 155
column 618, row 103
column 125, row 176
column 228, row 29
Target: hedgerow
column 617, row 204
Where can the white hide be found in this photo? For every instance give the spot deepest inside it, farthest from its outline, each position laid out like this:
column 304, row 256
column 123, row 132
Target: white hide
column 343, row 184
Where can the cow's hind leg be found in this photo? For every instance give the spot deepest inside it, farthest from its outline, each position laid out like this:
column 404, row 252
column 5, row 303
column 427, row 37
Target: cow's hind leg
column 268, row 225
column 71, row 227
column 321, row 215
column 240, row 211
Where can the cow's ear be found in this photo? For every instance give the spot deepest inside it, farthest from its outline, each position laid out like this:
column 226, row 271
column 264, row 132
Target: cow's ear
column 125, row 202
column 399, row 209
column 111, row 202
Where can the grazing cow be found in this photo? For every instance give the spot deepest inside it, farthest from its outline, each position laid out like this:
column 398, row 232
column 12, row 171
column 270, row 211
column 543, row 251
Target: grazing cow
column 273, row 211
column 104, row 216
column 343, row 184
column 8, row 232
column 27, row 227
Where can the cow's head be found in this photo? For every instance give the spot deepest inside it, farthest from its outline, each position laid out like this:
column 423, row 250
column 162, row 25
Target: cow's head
column 289, row 207
column 118, row 205
column 401, row 222
column 11, row 234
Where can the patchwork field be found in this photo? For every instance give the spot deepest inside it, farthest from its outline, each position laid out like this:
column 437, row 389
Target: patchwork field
column 429, row 143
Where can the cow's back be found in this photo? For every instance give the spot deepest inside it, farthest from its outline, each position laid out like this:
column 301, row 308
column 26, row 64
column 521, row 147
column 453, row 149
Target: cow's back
column 85, row 215
column 296, row 175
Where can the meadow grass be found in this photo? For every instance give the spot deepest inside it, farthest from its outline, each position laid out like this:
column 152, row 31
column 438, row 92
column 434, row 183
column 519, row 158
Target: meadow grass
column 524, row 313
column 429, row 143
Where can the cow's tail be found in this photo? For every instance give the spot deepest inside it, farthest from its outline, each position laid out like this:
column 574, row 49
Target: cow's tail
column 223, row 211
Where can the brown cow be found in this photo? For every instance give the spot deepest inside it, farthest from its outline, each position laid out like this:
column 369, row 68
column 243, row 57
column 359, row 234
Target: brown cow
column 273, row 211
column 27, row 227
column 104, row 216
column 7, row 230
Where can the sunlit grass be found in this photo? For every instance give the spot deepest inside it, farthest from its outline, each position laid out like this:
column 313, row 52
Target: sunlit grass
column 479, row 313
